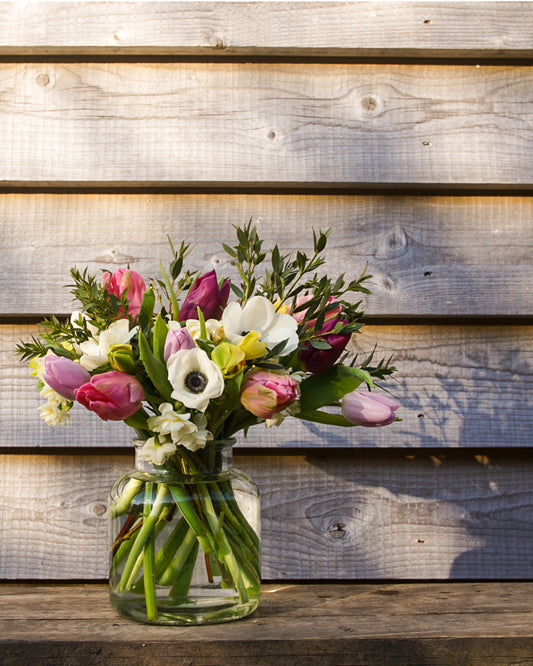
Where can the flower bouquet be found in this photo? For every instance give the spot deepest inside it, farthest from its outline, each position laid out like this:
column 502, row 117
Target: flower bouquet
column 187, row 368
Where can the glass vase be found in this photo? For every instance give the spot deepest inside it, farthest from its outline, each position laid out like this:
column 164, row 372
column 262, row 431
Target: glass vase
column 185, row 540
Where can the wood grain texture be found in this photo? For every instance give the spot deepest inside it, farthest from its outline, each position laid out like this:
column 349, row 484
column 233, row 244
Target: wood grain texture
column 316, row 625
column 459, row 387
column 428, row 255
column 361, row 516
column 360, row 29
column 265, row 124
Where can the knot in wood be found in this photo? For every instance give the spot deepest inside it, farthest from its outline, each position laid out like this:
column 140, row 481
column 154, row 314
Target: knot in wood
column 337, row 531
column 43, row 80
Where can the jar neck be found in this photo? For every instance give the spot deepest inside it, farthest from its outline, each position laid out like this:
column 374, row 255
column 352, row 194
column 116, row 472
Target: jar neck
column 215, row 458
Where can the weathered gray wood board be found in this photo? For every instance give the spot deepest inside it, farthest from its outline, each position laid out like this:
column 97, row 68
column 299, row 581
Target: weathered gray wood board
column 453, row 29
column 459, row 386
column 265, row 124
column 386, row 515
column 319, row 625
column 428, row 255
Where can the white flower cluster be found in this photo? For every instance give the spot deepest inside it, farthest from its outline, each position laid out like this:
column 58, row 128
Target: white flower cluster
column 173, row 430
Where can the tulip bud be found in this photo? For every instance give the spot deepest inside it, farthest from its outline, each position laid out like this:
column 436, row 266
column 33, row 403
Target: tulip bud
column 121, row 358
column 126, row 280
column 63, row 375
column 266, row 393
column 313, row 359
column 176, row 340
column 206, row 295
column 368, row 409
column 113, row 396
column 230, row 358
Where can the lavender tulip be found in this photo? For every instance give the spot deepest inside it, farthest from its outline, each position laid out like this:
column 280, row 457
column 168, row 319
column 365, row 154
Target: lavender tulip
column 64, row 375
column 368, row 409
column 176, row 340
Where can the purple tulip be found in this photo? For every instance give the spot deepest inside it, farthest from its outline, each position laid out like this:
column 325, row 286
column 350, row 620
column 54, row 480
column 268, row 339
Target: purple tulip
column 64, row 375
column 317, row 360
column 368, row 409
column 113, row 396
column 176, row 340
column 206, row 295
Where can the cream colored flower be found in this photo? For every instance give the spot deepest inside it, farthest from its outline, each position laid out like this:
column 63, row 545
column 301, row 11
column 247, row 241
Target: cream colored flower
column 171, row 423
column 94, row 352
column 56, row 410
column 199, row 438
column 212, row 327
column 155, row 451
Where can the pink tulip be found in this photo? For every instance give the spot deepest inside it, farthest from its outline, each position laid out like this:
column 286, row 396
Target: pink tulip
column 113, row 396
column 368, row 409
column 64, row 375
column 266, row 393
column 176, row 340
column 130, row 282
column 317, row 360
column 206, row 295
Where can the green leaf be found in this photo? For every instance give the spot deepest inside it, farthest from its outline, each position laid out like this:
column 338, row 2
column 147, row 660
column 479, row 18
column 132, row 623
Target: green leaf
column 326, row 388
column 147, row 308
column 156, row 369
column 171, row 292
column 137, row 420
column 326, row 418
column 159, row 337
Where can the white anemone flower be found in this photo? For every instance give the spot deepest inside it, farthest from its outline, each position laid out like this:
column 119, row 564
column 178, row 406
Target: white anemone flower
column 155, row 451
column 260, row 315
column 95, row 351
column 171, row 423
column 195, row 378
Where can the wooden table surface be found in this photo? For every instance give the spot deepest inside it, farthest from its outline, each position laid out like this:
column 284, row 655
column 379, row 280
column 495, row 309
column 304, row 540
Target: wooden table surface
column 318, row 624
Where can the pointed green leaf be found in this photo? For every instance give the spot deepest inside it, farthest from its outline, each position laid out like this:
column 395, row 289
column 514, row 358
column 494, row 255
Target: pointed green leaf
column 159, row 337
column 326, row 418
column 156, row 369
column 330, row 386
column 147, row 308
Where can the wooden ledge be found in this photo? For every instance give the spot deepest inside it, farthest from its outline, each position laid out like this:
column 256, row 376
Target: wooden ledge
column 444, row 623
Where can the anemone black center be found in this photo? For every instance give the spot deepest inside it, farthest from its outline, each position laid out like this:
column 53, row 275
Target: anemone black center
column 196, row 381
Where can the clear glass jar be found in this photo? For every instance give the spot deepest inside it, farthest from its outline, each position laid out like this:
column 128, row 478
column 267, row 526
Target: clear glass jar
column 185, row 541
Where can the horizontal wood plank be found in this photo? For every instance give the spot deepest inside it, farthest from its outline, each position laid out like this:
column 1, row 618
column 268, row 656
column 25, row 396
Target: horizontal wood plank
column 428, row 255
column 347, row 29
column 319, row 625
column 287, row 125
column 393, row 515
column 459, row 387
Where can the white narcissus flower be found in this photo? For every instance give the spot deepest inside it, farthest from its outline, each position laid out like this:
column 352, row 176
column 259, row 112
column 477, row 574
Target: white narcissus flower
column 260, row 315
column 155, row 451
column 212, row 326
column 171, row 423
column 198, row 439
column 95, row 351
column 56, row 410
column 195, row 378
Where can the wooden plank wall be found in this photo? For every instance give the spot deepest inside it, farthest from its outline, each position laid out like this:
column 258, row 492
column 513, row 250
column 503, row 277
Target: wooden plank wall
column 406, row 127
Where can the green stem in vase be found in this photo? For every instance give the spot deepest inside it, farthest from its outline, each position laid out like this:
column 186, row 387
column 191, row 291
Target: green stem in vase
column 149, row 559
column 181, row 556
column 149, row 524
